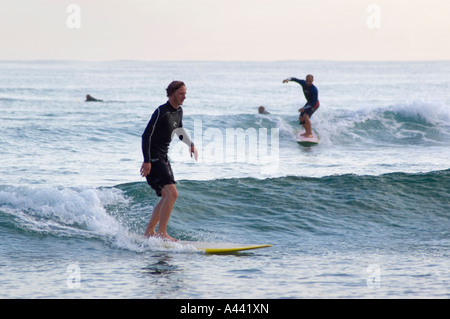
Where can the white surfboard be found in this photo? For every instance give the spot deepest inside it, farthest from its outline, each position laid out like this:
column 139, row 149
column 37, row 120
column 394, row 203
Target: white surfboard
column 307, row 141
column 215, row 248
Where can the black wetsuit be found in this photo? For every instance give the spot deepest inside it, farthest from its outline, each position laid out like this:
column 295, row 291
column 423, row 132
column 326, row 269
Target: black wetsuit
column 155, row 144
column 311, row 95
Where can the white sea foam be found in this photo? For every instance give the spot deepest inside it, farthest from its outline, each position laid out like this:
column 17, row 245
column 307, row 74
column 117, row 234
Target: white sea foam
column 62, row 211
column 78, row 212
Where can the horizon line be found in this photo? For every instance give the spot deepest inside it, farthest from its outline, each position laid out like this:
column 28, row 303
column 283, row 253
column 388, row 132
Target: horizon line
column 220, row 60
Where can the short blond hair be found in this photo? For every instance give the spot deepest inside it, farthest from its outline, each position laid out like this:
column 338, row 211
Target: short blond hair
column 175, row 85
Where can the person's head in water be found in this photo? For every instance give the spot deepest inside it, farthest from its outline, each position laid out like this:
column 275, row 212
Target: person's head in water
column 262, row 110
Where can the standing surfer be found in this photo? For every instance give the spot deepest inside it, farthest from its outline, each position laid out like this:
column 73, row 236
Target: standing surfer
column 165, row 121
column 312, row 102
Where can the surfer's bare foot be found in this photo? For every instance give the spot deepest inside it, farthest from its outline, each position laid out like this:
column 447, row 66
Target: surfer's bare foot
column 304, row 134
column 158, row 235
column 149, row 234
column 308, row 136
column 165, row 237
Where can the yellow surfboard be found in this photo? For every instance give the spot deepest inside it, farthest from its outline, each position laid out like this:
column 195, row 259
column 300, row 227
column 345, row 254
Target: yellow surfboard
column 217, row 248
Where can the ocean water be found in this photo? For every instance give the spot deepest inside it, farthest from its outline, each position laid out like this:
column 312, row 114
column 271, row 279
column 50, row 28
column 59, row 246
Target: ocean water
column 365, row 214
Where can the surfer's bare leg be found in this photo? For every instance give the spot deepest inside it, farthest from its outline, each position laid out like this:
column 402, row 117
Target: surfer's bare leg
column 170, row 193
column 150, row 230
column 162, row 213
column 307, row 125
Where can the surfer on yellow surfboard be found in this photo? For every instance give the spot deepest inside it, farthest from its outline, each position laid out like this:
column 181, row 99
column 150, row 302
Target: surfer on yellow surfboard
column 166, row 120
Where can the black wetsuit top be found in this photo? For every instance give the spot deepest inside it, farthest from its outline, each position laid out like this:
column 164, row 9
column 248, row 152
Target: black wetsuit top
column 158, row 134
column 311, row 93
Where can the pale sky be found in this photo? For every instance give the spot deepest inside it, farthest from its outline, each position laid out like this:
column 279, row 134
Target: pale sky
column 225, row 30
